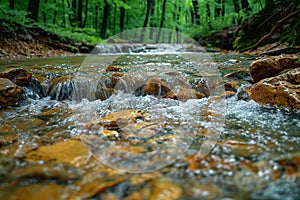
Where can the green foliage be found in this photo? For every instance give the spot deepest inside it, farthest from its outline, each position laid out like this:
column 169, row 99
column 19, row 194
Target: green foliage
column 63, row 18
column 77, row 34
column 12, row 15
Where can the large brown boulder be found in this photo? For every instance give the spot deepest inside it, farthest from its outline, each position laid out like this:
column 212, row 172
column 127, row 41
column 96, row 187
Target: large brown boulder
column 271, row 66
column 282, row 90
column 18, row 75
column 9, row 92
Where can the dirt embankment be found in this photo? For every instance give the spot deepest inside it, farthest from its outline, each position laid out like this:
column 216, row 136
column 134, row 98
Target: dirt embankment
column 17, row 42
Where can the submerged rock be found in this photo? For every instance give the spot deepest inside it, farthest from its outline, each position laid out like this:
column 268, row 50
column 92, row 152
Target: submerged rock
column 119, row 119
column 9, row 92
column 282, row 90
column 271, row 66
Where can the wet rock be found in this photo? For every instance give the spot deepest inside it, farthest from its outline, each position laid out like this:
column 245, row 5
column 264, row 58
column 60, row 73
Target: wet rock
column 6, row 166
column 9, row 92
column 105, row 87
column 105, row 93
column 7, row 138
column 242, row 148
column 242, row 74
column 282, row 90
column 36, row 191
column 53, row 112
column 156, row 87
column 231, row 86
column 271, row 66
column 164, row 189
column 65, row 152
column 185, row 95
column 46, row 171
column 113, row 68
column 209, row 162
column 95, row 186
column 19, row 76
column 119, row 119
column 205, row 191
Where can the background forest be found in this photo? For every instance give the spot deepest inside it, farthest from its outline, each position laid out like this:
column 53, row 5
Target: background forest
column 95, row 20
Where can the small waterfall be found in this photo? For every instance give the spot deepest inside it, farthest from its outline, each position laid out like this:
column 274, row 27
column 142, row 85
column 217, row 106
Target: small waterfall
column 145, row 48
column 75, row 89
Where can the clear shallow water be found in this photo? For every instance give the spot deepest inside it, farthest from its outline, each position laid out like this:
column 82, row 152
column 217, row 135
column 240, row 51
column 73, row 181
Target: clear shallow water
column 254, row 138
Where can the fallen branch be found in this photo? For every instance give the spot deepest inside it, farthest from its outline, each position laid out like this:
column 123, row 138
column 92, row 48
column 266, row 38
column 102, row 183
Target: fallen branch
column 288, row 50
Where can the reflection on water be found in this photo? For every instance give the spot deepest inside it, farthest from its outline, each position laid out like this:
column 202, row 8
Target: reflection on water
column 257, row 156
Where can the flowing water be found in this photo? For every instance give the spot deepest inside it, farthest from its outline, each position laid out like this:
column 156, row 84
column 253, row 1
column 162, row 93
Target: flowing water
column 253, row 151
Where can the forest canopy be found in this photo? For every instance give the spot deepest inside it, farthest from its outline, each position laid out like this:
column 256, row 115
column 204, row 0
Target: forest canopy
column 101, row 19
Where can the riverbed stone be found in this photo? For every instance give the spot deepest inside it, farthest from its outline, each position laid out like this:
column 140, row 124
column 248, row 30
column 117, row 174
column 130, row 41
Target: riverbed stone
column 62, row 152
column 271, row 66
column 156, row 87
column 282, row 90
column 18, row 76
column 119, row 119
column 185, row 95
column 165, row 189
column 9, row 92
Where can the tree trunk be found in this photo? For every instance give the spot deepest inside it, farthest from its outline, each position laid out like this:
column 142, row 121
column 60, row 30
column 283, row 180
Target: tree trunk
column 223, row 8
column 122, row 19
column 236, row 6
column 218, row 7
column 208, row 13
column 72, row 18
column 85, row 13
column 33, row 9
column 63, row 13
column 79, row 13
column 55, row 13
column 96, row 17
column 152, row 20
column 162, row 20
column 105, row 19
column 44, row 13
column 149, row 5
column 12, row 4
column 269, row 6
column 245, row 6
column 196, row 12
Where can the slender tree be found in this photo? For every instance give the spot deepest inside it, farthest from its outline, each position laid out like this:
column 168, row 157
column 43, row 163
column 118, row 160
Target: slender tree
column 33, row 9
column 12, row 4
column 105, row 19
column 162, row 20
column 196, row 15
column 122, row 17
column 146, row 20
column 269, row 6
column 218, row 8
column 246, row 6
column 55, row 12
column 79, row 13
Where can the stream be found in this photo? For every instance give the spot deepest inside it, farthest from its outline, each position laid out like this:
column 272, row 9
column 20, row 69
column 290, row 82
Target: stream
column 120, row 142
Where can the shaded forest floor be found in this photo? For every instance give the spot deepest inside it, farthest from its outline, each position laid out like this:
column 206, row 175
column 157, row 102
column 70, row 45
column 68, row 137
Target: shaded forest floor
column 17, row 41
